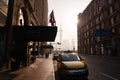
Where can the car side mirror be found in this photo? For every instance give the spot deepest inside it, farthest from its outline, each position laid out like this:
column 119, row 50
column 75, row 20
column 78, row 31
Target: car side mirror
column 82, row 59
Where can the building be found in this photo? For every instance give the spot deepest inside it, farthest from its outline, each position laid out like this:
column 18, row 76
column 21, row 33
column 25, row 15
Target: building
column 3, row 15
column 3, row 12
column 98, row 28
column 26, row 22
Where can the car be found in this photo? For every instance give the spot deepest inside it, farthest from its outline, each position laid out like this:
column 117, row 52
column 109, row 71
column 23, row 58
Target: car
column 55, row 55
column 71, row 65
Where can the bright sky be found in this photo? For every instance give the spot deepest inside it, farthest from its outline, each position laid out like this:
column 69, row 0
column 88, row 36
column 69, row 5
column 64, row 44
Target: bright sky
column 65, row 12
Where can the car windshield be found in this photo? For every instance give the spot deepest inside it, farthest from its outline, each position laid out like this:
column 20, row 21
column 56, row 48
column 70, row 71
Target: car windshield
column 70, row 57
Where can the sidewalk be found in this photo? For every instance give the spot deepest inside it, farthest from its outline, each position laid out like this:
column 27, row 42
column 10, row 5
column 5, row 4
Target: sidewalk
column 42, row 69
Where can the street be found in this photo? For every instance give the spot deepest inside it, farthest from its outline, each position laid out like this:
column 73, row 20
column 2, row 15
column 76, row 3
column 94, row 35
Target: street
column 101, row 67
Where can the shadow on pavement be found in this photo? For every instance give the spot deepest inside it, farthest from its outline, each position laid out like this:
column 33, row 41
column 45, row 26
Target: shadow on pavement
column 7, row 75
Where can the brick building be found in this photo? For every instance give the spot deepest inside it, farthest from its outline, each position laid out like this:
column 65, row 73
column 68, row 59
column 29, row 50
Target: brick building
column 98, row 28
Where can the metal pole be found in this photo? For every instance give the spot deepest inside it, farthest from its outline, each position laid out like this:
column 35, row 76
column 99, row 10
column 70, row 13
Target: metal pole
column 60, row 33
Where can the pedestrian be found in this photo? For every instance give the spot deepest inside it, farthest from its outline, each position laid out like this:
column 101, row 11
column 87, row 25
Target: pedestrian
column 46, row 54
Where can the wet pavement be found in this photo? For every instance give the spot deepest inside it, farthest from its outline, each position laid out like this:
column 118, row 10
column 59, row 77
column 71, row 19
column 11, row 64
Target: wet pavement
column 42, row 69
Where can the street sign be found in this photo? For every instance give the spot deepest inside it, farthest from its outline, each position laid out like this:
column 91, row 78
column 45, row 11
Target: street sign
column 100, row 32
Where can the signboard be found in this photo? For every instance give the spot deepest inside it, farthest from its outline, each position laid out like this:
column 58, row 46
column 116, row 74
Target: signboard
column 101, row 32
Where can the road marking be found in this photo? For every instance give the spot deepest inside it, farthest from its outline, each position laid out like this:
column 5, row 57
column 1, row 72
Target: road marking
column 106, row 75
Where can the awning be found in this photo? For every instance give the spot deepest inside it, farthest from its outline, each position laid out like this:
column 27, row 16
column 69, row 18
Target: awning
column 36, row 33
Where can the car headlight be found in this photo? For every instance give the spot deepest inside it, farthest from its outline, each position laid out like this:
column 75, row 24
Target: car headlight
column 85, row 65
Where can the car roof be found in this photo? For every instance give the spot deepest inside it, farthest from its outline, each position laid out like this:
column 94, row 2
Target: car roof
column 72, row 53
column 69, row 53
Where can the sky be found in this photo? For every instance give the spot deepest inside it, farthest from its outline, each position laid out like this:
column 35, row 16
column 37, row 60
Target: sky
column 65, row 13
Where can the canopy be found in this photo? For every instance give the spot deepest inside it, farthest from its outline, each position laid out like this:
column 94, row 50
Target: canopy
column 36, row 33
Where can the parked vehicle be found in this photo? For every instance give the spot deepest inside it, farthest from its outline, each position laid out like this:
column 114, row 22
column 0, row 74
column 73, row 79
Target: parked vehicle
column 71, row 65
column 55, row 55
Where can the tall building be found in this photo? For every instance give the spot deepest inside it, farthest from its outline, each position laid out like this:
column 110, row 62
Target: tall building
column 99, row 28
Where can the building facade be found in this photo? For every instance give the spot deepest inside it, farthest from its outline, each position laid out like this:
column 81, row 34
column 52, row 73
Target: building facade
column 3, row 12
column 98, row 28
column 17, row 32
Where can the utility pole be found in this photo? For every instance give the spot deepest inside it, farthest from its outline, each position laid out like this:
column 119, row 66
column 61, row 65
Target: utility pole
column 60, row 33
column 60, row 36
column 73, row 44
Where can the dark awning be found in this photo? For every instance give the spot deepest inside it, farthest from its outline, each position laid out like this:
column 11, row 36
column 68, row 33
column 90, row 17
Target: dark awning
column 36, row 33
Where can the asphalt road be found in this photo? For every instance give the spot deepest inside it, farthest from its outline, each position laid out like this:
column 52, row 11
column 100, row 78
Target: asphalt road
column 103, row 67
column 100, row 67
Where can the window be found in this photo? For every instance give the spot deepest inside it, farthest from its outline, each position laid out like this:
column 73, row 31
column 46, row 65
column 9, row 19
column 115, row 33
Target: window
column 112, row 21
column 88, row 41
column 111, row 10
column 100, row 17
column 70, row 57
column 113, row 30
column 110, row 1
column 97, row 19
column 20, row 18
column 98, row 39
column 102, row 25
column 98, row 27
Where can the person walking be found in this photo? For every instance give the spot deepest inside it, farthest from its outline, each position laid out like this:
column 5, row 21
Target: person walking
column 46, row 54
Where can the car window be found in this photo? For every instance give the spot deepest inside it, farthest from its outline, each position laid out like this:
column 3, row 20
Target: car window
column 56, row 53
column 70, row 57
